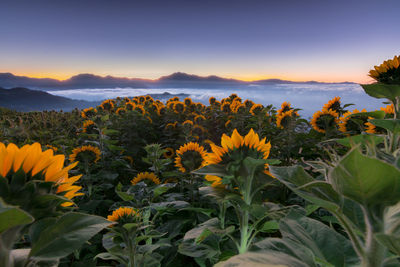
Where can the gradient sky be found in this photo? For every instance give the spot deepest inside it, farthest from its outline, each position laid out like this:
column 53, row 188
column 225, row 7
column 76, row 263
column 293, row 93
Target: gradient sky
column 300, row 40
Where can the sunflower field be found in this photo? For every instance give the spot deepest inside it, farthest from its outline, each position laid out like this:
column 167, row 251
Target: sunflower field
column 137, row 182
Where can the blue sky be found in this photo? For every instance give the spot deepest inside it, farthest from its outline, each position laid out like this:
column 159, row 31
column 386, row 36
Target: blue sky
column 252, row 39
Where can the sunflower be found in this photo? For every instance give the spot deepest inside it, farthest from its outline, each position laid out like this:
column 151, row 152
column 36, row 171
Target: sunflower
column 389, row 109
column 388, row 72
column 248, row 103
column 324, row 119
column 161, row 110
column 212, row 100
column 140, row 109
column 348, row 124
column 88, row 126
column 333, row 104
column 256, row 109
column 171, row 125
column 188, row 101
column 88, row 112
column 145, row 176
column 141, row 99
column 226, row 107
column 239, row 146
column 169, row 153
column 199, row 119
column 215, row 180
column 129, row 159
column 108, row 104
column 284, row 107
column 124, row 215
column 39, row 165
column 55, row 149
column 190, row 157
column 85, row 153
column 370, row 128
column 120, row 111
column 187, row 123
column 179, row 107
column 283, row 119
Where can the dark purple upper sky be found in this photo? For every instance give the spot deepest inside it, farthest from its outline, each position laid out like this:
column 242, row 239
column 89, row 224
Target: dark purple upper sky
column 299, row 40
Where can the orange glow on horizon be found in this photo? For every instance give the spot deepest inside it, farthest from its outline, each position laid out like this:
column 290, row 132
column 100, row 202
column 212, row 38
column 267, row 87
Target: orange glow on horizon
column 246, row 78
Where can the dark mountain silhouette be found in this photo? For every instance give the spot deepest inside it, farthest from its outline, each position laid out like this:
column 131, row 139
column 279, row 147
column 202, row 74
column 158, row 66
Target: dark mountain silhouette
column 23, row 99
column 177, row 79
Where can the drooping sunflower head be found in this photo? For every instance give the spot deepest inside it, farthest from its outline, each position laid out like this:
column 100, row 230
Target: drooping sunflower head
column 233, row 96
column 237, row 147
column 284, row 119
column 324, row 120
column 256, row 109
column 169, row 153
column 35, row 166
column 130, row 105
column 226, row 107
column 108, row 105
column 124, row 215
column 88, row 154
column 333, row 104
column 199, row 119
column 88, row 112
column 388, row 72
column 161, row 111
column 171, row 125
column 148, row 176
column 190, row 157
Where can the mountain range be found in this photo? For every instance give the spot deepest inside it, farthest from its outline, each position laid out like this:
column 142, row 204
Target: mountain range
column 177, row 80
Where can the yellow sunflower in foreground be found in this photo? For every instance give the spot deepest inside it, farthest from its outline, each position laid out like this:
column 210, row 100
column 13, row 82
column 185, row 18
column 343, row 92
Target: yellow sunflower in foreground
column 145, row 176
column 238, row 146
column 87, row 154
column 325, row 119
column 388, row 72
column 124, row 215
column 39, row 165
column 190, row 157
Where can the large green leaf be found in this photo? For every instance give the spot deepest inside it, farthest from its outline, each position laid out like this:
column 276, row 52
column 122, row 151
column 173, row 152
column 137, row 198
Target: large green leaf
column 380, row 90
column 391, row 235
column 213, row 169
column 11, row 216
column 317, row 192
column 262, row 259
column 319, row 238
column 360, row 139
column 68, row 233
column 391, row 125
column 366, row 180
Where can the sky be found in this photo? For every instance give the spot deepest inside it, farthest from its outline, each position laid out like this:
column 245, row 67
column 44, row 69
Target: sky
column 300, row 40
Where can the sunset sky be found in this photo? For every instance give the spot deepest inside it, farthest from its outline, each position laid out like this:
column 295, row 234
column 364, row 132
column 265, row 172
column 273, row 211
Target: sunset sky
column 300, row 40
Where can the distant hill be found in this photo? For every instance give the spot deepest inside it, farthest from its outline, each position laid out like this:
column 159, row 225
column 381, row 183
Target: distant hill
column 176, row 80
column 23, row 99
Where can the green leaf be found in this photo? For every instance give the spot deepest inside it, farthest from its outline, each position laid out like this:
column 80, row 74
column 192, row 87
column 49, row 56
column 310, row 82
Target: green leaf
column 161, row 189
column 366, row 180
column 213, row 169
column 319, row 238
column 380, row 90
column 11, row 216
column 377, row 114
column 270, row 226
column 315, row 191
column 360, row 139
column 391, row 125
column 68, row 233
column 263, row 259
column 123, row 195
